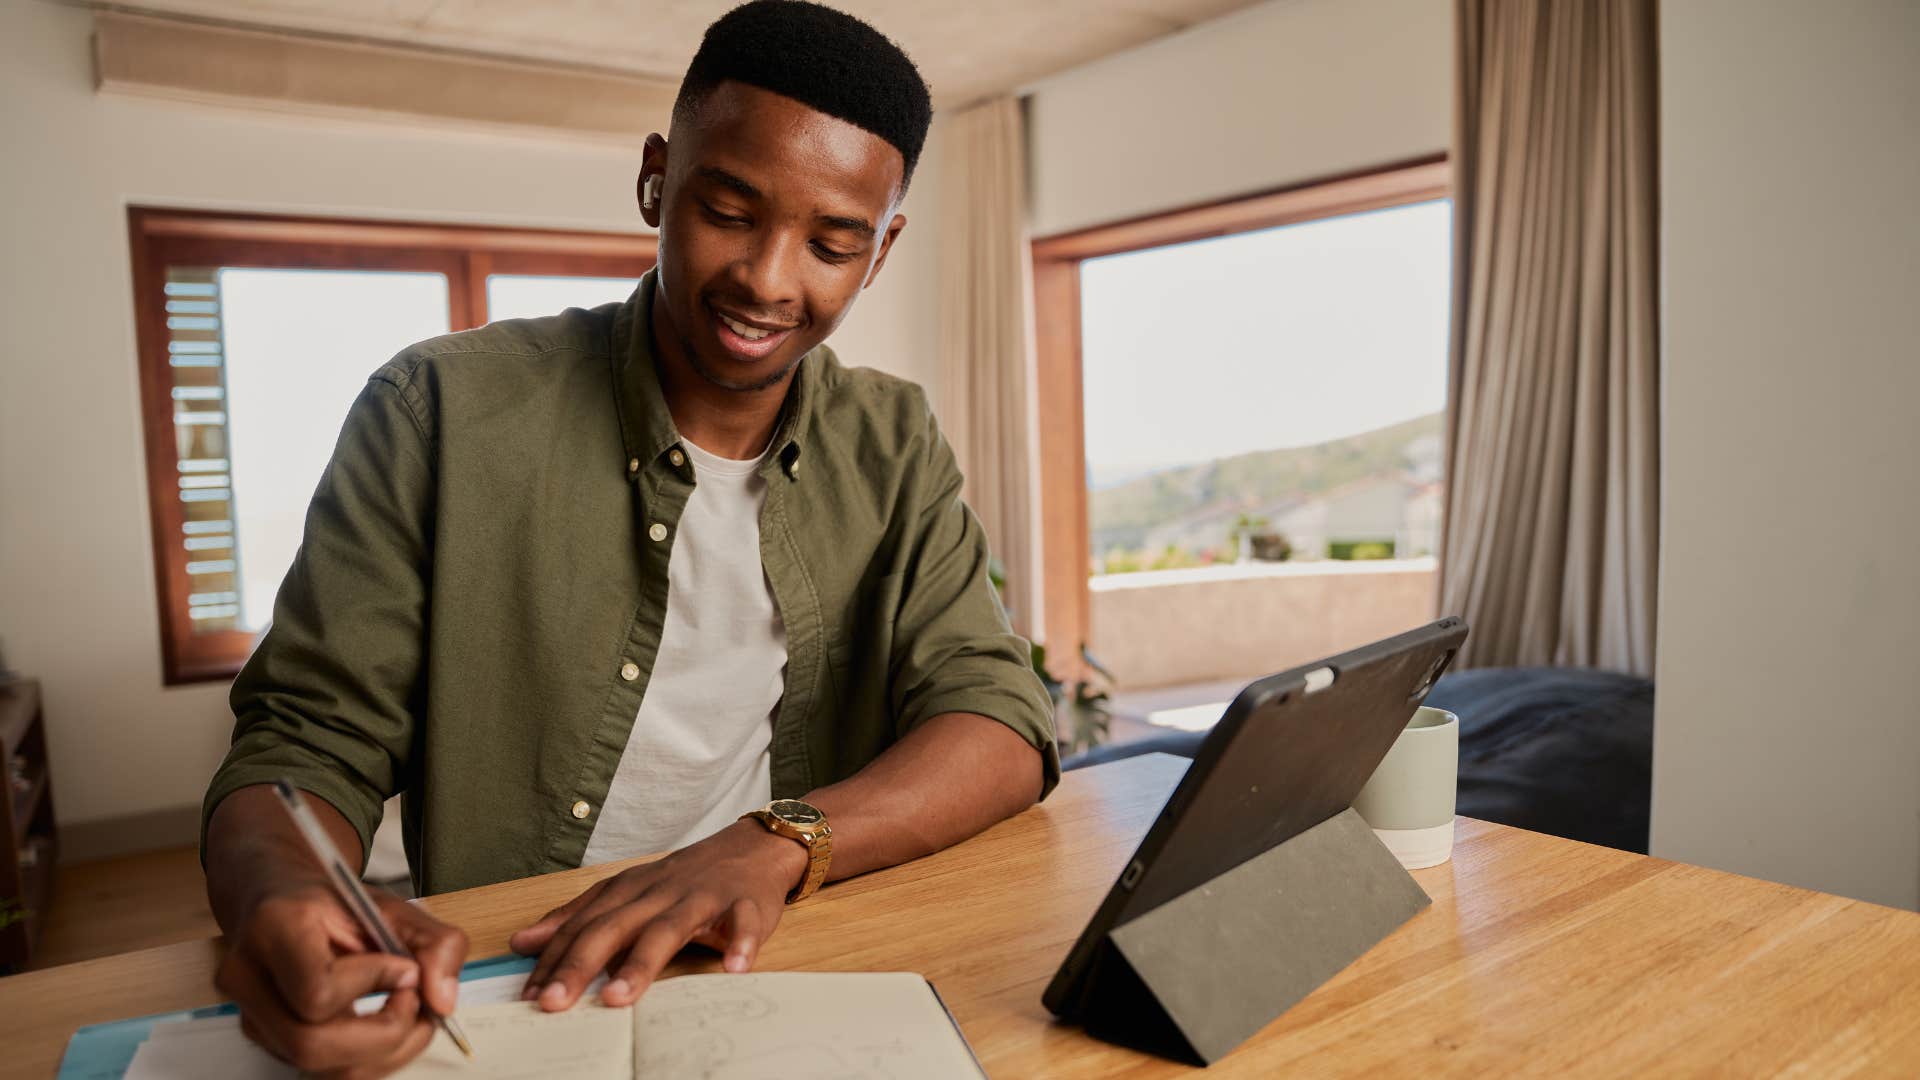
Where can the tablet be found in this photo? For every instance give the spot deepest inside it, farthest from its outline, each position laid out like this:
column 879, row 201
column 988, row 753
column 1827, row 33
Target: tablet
column 1291, row 751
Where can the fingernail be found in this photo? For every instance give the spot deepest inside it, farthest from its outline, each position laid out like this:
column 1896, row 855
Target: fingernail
column 409, row 978
column 737, row 962
column 555, row 994
column 618, row 988
column 449, row 988
column 530, row 991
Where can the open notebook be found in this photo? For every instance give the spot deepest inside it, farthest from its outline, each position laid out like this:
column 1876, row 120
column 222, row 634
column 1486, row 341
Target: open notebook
column 788, row 1024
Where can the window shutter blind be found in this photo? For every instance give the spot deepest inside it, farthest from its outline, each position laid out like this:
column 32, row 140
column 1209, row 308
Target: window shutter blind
column 196, row 359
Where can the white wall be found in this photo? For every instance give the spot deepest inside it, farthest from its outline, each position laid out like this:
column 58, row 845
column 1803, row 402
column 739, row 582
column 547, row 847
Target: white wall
column 77, row 602
column 1289, row 91
column 1787, row 739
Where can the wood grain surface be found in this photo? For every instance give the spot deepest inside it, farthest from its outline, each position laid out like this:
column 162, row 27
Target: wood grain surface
column 1539, row 956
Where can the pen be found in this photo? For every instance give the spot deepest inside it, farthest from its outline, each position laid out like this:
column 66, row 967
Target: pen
column 347, row 883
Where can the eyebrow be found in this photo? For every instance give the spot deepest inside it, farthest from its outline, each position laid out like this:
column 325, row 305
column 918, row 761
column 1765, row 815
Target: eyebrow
column 734, row 183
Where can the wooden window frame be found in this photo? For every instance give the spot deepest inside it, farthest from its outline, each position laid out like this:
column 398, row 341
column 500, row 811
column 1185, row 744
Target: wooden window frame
column 162, row 237
column 1065, row 561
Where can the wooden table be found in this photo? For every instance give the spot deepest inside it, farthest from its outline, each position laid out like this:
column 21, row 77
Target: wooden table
column 1539, row 955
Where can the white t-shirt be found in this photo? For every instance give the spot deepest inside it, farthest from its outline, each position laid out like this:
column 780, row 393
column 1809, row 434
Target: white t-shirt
column 697, row 757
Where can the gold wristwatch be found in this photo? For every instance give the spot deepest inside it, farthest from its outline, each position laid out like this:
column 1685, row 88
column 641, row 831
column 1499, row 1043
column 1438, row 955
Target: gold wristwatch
column 804, row 822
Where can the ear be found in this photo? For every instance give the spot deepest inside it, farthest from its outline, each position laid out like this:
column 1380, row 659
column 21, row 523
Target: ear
column 886, row 244
column 653, row 163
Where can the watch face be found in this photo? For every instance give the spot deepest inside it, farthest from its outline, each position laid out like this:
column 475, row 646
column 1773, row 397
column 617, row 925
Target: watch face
column 795, row 812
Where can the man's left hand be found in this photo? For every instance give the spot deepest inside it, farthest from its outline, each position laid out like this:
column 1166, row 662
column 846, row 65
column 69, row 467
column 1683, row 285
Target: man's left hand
column 726, row 892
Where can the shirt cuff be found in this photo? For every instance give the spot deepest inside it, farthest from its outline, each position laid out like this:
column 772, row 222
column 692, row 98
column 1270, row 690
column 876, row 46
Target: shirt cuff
column 361, row 808
column 1024, row 718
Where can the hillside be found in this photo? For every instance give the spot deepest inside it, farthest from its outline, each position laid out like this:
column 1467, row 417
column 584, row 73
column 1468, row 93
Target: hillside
column 1203, row 495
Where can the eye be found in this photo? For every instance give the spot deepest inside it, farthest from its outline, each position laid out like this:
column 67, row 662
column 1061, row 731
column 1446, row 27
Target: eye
column 720, row 217
column 830, row 254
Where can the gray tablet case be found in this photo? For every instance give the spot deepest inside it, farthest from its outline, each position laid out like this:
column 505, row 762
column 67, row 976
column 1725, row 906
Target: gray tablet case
column 1258, row 881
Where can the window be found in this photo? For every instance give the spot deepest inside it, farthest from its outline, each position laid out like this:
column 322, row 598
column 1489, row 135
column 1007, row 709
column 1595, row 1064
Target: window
column 1281, row 398
column 255, row 336
column 1249, row 388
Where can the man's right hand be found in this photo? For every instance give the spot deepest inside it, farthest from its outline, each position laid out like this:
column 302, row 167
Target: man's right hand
column 298, row 960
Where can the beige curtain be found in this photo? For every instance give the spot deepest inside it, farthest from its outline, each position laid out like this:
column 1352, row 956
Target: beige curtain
column 1552, row 511
column 986, row 339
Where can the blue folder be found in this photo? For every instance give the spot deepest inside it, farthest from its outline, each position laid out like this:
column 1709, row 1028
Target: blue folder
column 103, row 1051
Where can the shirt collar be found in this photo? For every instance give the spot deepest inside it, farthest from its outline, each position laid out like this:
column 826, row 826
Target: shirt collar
column 646, row 425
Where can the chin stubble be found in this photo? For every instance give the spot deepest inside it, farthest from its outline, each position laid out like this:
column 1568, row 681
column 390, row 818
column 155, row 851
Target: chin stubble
column 700, row 368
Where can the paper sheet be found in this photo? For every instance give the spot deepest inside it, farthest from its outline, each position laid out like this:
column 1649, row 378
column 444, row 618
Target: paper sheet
column 196, row 1049
column 794, row 1025
column 516, row 1041
column 798, row 1026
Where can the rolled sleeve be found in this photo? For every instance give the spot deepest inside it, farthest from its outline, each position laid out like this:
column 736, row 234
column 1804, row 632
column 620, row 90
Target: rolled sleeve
column 328, row 700
column 954, row 649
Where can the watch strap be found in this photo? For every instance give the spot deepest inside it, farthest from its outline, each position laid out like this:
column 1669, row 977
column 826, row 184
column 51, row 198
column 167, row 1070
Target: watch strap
column 817, row 840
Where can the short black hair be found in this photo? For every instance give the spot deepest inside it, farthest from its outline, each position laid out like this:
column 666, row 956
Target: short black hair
column 825, row 59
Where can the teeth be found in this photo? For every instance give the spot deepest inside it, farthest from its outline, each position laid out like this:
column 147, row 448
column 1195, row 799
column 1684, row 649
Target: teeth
column 745, row 331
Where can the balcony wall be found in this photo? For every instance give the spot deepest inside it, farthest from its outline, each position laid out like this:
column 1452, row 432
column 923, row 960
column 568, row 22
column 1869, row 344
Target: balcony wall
column 1163, row 627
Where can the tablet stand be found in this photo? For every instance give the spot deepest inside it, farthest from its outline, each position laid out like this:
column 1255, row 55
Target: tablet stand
column 1196, row 976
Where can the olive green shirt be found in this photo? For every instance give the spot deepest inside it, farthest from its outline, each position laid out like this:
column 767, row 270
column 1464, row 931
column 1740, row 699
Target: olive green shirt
column 474, row 611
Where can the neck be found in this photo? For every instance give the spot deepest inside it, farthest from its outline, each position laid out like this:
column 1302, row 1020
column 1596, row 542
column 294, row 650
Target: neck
column 733, row 424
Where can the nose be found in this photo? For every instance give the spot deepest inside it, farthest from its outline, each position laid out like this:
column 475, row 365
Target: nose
column 766, row 273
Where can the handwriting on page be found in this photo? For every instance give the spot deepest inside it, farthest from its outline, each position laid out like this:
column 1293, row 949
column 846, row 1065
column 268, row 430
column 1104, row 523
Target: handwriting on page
column 516, row 1041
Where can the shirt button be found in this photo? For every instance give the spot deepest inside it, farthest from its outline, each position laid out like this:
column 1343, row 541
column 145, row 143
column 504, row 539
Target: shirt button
column 677, row 458
column 658, row 532
column 633, row 465
column 629, row 671
column 793, row 467
column 581, row 809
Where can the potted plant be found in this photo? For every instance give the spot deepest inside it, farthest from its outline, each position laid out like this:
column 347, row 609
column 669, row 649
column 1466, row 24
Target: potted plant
column 1081, row 713
column 1270, row 546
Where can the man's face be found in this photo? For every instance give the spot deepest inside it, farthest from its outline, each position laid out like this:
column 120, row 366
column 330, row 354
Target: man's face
column 772, row 219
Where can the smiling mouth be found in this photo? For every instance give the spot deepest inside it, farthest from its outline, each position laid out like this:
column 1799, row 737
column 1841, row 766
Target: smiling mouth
column 751, row 333
column 746, row 340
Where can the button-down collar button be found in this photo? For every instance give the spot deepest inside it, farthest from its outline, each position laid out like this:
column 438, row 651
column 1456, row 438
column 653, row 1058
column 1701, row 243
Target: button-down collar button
column 676, row 457
column 629, row 671
column 633, row 465
column 581, row 809
column 658, row 532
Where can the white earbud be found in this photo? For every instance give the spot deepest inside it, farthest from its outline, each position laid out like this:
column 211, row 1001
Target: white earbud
column 650, row 191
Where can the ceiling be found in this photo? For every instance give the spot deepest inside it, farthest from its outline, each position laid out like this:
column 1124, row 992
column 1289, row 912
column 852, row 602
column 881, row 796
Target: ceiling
column 966, row 49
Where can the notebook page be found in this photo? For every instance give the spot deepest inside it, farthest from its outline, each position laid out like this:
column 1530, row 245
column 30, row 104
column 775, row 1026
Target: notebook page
column 215, row 1046
column 516, row 1041
column 194, row 1049
column 798, row 1026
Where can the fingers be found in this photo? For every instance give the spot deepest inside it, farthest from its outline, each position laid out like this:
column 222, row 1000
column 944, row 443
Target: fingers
column 626, row 894
column 654, row 945
column 339, row 1041
column 416, row 1042
column 438, row 948
column 599, row 940
column 294, row 940
column 535, row 937
column 746, row 933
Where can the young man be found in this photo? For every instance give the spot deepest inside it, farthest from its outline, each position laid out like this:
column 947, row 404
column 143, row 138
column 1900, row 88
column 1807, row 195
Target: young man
column 606, row 583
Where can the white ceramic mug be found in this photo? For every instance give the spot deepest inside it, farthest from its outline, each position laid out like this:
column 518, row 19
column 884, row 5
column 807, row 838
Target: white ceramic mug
column 1409, row 800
